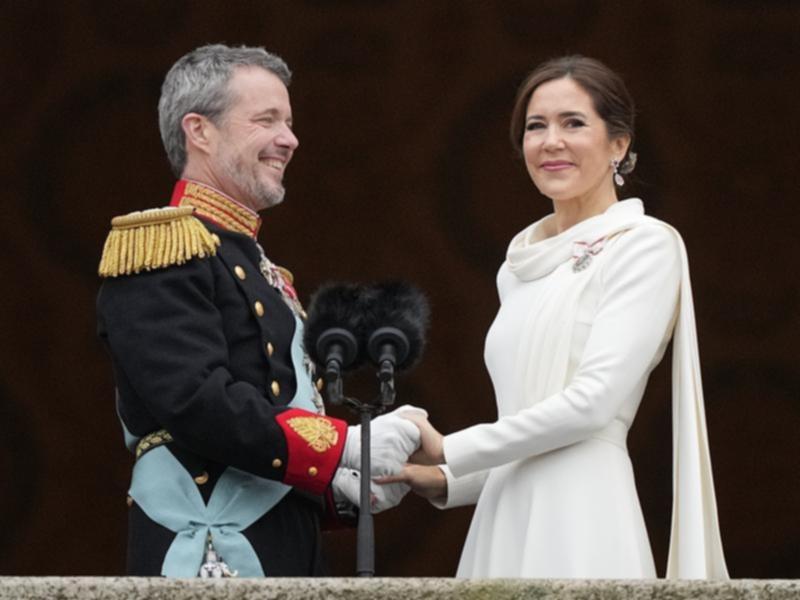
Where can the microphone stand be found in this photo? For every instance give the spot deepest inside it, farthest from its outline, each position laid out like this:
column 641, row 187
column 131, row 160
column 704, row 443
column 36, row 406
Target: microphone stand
column 365, row 533
column 384, row 316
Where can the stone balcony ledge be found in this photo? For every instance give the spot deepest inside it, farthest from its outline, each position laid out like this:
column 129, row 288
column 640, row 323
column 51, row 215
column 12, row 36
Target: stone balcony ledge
column 130, row 588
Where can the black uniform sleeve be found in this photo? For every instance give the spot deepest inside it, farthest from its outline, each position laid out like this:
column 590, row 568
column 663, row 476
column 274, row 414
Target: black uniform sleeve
column 166, row 337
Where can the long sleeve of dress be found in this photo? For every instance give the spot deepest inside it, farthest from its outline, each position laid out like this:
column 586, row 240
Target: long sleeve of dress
column 640, row 283
column 461, row 491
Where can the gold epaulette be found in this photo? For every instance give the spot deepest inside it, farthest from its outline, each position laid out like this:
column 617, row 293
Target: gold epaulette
column 154, row 239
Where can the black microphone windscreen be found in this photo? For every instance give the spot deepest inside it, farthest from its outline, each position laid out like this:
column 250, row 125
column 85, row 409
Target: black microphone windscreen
column 333, row 305
column 398, row 304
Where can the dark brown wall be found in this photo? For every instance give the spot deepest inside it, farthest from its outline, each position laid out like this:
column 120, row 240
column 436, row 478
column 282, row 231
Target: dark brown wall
column 403, row 171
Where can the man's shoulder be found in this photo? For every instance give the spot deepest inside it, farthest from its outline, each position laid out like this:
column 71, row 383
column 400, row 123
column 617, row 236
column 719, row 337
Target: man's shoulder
column 154, row 239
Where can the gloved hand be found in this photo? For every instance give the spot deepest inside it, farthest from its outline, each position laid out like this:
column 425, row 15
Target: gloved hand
column 387, row 496
column 346, row 485
column 393, row 440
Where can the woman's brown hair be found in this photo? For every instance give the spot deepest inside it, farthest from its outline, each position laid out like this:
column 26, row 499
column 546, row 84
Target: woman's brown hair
column 608, row 92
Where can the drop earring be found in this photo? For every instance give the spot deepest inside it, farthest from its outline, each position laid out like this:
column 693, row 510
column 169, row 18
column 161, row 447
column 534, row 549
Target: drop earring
column 618, row 179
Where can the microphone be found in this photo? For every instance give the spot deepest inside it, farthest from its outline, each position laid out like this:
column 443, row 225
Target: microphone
column 396, row 317
column 333, row 328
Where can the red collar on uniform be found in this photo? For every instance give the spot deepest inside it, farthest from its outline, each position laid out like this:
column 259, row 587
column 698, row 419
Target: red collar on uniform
column 212, row 205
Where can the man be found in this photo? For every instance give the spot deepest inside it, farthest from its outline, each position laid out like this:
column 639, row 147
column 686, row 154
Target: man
column 235, row 463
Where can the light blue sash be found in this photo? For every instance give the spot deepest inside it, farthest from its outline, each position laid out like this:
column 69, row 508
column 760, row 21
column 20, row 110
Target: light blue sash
column 168, row 495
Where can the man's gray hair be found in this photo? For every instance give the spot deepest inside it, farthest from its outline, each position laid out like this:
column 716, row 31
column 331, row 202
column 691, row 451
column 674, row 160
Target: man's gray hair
column 198, row 82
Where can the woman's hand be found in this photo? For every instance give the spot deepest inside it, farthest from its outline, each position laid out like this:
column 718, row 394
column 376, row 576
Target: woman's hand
column 431, row 450
column 426, row 481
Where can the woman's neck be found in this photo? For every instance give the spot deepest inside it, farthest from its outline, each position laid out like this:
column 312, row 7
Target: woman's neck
column 567, row 213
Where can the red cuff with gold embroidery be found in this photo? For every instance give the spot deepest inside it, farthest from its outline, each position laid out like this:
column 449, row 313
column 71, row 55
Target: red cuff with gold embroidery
column 314, row 447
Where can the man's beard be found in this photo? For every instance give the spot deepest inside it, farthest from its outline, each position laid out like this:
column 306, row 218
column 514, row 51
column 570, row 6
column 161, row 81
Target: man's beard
column 263, row 196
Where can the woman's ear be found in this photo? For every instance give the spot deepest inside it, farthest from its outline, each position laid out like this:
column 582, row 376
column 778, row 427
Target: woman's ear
column 619, row 146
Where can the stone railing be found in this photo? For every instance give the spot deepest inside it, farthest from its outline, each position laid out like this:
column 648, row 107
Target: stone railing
column 132, row 588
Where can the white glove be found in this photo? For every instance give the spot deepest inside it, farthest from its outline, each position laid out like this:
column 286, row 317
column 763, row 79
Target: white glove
column 346, row 485
column 387, row 495
column 394, row 439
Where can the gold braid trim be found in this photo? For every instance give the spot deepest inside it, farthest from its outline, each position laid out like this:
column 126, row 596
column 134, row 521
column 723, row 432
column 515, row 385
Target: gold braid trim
column 154, row 239
column 221, row 209
column 152, row 440
column 211, row 210
column 209, row 196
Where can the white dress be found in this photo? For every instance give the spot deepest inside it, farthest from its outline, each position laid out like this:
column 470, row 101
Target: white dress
column 584, row 318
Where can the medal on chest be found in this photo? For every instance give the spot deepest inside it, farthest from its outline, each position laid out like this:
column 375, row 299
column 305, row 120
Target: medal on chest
column 281, row 279
column 584, row 252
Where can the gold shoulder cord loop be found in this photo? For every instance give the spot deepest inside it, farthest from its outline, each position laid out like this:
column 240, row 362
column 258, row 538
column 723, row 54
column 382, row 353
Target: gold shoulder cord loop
column 154, row 239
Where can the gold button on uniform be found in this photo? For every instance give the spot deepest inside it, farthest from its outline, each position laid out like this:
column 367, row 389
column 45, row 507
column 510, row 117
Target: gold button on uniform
column 129, row 501
column 270, row 348
column 259, row 308
column 277, row 463
column 201, row 479
column 240, row 272
column 320, row 383
column 276, row 388
column 312, row 471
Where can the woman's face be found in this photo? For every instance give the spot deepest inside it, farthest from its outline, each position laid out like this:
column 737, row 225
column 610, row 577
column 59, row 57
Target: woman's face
column 566, row 145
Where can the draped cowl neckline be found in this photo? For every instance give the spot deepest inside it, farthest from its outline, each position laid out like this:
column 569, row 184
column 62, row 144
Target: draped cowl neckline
column 532, row 255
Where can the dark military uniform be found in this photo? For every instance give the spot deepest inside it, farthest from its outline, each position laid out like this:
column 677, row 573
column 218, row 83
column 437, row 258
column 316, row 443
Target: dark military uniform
column 203, row 350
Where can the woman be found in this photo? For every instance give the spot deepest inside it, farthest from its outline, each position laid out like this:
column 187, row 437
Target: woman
column 590, row 296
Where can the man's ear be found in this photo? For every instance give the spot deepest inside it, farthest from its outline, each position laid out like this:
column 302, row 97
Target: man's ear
column 199, row 132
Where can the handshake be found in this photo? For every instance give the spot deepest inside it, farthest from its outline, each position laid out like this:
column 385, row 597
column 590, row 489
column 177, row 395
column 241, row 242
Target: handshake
column 399, row 437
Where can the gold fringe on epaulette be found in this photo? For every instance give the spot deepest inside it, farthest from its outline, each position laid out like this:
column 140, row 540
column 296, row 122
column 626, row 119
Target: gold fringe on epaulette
column 154, row 239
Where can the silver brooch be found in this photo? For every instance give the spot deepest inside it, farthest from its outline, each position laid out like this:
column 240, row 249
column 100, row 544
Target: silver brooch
column 582, row 253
